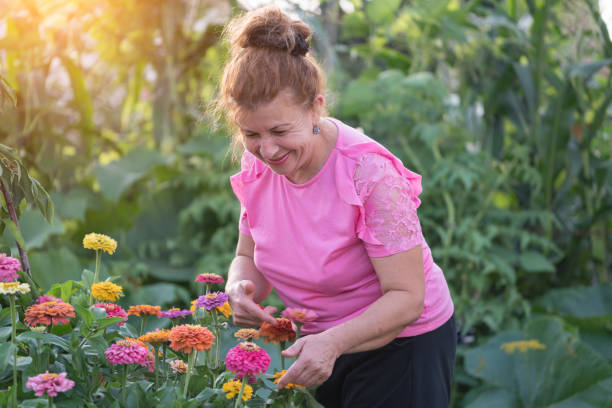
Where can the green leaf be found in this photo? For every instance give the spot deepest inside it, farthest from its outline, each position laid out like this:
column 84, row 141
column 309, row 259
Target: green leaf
column 493, row 398
column 597, row 396
column 5, row 332
column 116, row 177
column 6, row 354
column 534, row 262
column 109, row 321
column 14, row 231
column 45, row 338
column 56, row 265
column 35, row 230
column 85, row 314
column 87, row 277
column 539, row 377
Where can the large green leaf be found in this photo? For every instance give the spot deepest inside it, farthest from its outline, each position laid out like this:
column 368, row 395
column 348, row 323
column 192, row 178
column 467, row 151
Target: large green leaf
column 35, row 230
column 72, row 204
column 6, row 354
column 381, row 11
column 117, row 176
column 538, row 377
column 57, row 265
column 532, row 261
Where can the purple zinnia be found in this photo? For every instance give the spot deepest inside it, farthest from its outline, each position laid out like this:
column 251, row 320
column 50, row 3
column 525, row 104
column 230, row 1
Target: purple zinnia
column 8, row 268
column 175, row 313
column 211, row 300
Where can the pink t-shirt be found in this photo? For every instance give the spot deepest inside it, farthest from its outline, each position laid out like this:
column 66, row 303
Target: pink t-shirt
column 313, row 241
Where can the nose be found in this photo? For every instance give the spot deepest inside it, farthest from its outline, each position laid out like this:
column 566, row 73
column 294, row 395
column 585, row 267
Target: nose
column 268, row 148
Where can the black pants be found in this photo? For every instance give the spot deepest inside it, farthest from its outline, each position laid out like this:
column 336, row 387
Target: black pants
column 411, row 372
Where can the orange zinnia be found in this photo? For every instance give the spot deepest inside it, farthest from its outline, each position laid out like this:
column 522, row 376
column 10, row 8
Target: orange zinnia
column 283, row 331
column 187, row 337
column 157, row 336
column 140, row 310
column 49, row 313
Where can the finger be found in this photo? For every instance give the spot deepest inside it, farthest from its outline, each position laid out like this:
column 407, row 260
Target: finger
column 270, row 309
column 294, row 350
column 257, row 314
column 290, row 376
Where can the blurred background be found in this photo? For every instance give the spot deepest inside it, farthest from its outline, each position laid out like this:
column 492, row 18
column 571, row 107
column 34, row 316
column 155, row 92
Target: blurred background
column 503, row 107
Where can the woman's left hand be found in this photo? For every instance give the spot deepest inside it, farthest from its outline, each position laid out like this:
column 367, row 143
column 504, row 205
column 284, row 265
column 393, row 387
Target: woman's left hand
column 316, row 357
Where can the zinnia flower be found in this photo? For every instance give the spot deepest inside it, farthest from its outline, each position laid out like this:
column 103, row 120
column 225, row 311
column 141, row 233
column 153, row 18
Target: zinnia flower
column 12, row 288
column 522, row 346
column 210, row 278
column 178, row 366
column 49, row 383
column 225, row 309
column 142, row 310
column 232, row 388
column 299, row 315
column 99, row 241
column 39, row 329
column 49, row 313
column 175, row 313
column 106, row 291
column 8, row 268
column 127, row 352
column 279, row 374
column 187, row 337
column 155, row 337
column 47, row 298
column 113, row 310
column 283, row 331
column 247, row 334
column 212, row 300
column 247, row 359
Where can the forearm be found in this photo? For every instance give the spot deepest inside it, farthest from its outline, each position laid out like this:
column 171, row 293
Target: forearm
column 243, row 268
column 377, row 325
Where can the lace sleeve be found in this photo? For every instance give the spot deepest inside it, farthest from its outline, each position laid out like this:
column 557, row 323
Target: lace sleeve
column 390, row 211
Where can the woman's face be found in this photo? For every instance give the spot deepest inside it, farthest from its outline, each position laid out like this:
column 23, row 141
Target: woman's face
column 280, row 134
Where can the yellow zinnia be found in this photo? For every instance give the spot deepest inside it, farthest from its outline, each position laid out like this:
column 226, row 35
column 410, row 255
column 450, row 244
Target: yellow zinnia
column 232, row 388
column 226, row 309
column 99, row 241
column 279, row 374
column 522, row 346
column 106, row 291
column 12, row 288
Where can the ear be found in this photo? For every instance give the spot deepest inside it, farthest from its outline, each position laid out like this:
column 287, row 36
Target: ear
column 317, row 108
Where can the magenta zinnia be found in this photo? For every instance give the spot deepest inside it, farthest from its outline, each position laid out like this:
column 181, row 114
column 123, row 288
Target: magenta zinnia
column 297, row 315
column 209, row 278
column 247, row 359
column 127, row 352
column 8, row 268
column 211, row 300
column 49, row 383
column 113, row 310
column 47, row 298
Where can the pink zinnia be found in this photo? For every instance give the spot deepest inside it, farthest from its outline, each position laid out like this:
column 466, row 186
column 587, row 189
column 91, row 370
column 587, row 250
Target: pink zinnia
column 8, row 268
column 297, row 315
column 48, row 298
column 113, row 310
column 247, row 359
column 49, row 383
column 175, row 313
column 210, row 278
column 127, row 352
column 211, row 300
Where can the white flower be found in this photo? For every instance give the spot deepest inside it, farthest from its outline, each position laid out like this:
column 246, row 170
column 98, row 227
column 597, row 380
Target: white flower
column 605, row 8
column 11, row 288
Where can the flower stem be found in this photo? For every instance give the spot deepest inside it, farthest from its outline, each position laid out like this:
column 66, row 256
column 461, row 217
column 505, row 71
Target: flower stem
column 217, row 345
column 281, row 344
column 299, row 329
column 238, row 402
column 156, row 351
column 97, row 271
column 142, row 324
column 190, row 362
column 164, row 348
column 50, row 400
column 14, row 340
column 123, row 384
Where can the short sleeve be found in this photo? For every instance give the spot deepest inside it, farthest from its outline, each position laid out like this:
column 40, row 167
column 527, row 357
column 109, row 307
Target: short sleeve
column 390, row 208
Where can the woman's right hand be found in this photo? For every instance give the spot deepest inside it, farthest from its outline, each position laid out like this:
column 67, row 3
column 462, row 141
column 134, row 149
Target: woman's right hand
column 245, row 311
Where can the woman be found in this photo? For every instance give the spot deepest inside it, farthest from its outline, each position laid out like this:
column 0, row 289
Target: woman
column 329, row 220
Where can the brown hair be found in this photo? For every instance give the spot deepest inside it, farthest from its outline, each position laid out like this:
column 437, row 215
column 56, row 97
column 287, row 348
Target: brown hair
column 269, row 53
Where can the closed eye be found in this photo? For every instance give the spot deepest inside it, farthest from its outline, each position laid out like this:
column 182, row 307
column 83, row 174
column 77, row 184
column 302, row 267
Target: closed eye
column 278, row 132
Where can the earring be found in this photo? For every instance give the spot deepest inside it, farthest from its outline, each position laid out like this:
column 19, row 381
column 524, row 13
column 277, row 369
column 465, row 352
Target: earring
column 316, row 129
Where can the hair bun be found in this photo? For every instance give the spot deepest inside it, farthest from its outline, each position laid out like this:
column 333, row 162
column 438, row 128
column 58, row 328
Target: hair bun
column 270, row 28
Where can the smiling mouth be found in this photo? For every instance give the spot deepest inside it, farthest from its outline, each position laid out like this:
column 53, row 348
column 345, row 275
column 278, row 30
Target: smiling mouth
column 280, row 160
